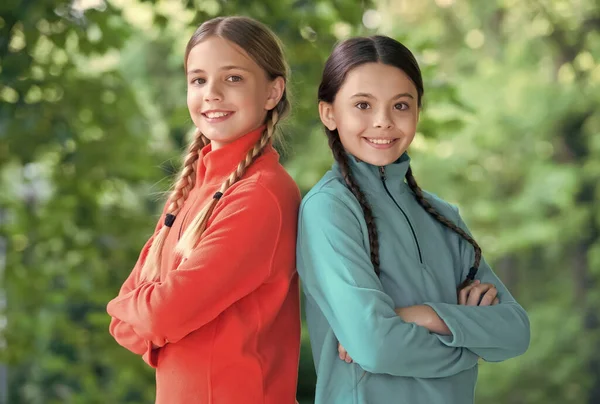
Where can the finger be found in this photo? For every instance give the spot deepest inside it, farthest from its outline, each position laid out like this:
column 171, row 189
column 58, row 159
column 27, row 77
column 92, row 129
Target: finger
column 489, row 297
column 342, row 351
column 464, row 292
column 486, row 288
column 344, row 354
column 476, row 293
column 495, row 302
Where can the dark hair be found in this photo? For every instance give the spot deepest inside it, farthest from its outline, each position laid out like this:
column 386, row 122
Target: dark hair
column 346, row 56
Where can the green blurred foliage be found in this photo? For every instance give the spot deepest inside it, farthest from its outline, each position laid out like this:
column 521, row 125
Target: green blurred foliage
column 93, row 119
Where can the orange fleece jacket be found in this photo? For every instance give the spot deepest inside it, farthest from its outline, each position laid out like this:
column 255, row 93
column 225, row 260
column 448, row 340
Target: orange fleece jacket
column 227, row 321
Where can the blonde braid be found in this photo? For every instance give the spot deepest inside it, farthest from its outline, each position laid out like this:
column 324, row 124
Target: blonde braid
column 192, row 234
column 183, row 186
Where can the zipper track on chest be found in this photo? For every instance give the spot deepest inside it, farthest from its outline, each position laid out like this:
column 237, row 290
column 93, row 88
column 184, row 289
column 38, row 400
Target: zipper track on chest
column 412, row 229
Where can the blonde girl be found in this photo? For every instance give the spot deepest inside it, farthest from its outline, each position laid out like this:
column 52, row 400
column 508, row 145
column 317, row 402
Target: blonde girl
column 213, row 301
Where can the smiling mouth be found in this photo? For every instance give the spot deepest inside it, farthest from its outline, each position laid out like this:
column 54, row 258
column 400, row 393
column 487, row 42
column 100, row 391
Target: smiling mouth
column 216, row 114
column 380, row 141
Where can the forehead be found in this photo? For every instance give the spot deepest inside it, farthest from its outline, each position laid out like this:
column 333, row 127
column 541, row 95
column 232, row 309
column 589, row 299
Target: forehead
column 215, row 52
column 381, row 80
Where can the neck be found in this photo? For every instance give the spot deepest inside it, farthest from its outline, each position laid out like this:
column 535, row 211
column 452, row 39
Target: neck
column 217, row 144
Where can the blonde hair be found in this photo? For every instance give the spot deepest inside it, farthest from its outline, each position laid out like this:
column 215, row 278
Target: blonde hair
column 264, row 48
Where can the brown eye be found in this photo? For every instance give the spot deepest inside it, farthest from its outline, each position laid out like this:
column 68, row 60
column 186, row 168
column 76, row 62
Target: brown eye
column 198, row 81
column 234, row 79
column 362, row 105
column 402, row 106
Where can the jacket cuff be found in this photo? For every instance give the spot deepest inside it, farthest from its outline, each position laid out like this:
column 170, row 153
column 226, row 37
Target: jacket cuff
column 444, row 311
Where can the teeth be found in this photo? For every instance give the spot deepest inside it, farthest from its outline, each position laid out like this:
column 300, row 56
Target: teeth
column 381, row 141
column 212, row 115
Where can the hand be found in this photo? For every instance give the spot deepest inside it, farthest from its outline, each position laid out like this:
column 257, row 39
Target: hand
column 344, row 354
column 478, row 294
column 423, row 316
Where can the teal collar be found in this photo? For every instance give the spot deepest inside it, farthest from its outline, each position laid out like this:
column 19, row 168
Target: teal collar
column 370, row 176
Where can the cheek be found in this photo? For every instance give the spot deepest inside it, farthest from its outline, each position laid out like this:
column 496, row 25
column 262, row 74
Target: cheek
column 352, row 123
column 256, row 96
column 193, row 99
column 351, row 130
column 252, row 101
column 406, row 122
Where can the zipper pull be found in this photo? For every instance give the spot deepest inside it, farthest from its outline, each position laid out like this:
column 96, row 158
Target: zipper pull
column 382, row 173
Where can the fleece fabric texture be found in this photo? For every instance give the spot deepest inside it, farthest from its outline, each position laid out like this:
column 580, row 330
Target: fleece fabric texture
column 227, row 320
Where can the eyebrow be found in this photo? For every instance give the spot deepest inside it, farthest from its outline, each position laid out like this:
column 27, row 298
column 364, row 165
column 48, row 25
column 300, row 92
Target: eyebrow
column 228, row 67
column 368, row 95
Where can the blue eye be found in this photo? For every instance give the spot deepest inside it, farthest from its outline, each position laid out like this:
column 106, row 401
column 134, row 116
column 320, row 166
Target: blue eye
column 362, row 105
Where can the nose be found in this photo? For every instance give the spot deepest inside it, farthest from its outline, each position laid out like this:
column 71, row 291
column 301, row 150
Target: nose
column 382, row 120
column 213, row 91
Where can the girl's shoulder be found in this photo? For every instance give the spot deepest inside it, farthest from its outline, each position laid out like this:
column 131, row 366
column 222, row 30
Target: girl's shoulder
column 330, row 192
column 448, row 210
column 268, row 176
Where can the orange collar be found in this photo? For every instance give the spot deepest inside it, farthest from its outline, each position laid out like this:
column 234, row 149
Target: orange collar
column 215, row 166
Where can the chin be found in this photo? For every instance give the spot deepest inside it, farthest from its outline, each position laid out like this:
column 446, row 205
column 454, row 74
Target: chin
column 215, row 134
column 380, row 159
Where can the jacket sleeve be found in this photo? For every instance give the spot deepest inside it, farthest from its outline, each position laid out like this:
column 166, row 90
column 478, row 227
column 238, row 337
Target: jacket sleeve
column 337, row 273
column 495, row 333
column 121, row 331
column 233, row 258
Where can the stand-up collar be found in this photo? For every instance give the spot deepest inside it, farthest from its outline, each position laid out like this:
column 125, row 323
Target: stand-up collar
column 214, row 166
column 370, row 176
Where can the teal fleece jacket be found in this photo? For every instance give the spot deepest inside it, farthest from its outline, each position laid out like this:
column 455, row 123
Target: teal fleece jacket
column 421, row 262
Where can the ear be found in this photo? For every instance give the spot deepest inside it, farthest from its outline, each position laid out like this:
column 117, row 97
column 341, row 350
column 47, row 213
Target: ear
column 276, row 89
column 326, row 114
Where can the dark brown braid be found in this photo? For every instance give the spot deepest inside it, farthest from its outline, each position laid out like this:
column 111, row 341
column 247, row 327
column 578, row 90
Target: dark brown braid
column 342, row 159
column 412, row 183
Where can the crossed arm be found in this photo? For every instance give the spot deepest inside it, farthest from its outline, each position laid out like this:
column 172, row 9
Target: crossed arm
column 337, row 274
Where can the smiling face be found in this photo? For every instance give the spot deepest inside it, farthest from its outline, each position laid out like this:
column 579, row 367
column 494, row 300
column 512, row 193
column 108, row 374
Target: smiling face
column 228, row 94
column 375, row 113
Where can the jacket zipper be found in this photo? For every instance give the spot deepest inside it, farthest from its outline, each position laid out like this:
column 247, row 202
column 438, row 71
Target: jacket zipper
column 412, row 229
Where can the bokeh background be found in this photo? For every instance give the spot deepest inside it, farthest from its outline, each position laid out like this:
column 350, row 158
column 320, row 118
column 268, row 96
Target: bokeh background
column 93, row 123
